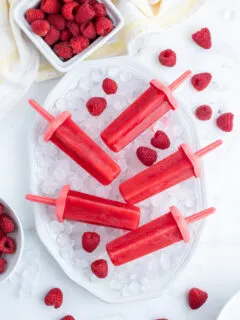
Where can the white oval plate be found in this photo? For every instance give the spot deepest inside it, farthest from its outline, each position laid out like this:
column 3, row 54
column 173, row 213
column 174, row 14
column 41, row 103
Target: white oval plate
column 51, row 169
column 231, row 311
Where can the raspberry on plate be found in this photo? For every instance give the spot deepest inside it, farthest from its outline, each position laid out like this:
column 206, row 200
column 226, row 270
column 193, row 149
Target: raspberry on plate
column 68, row 10
column 79, row 43
column 57, row 21
column 84, row 13
column 50, row 6
column 147, row 156
column 201, row 81
column 7, row 245
column 100, row 268
column 100, row 9
column 196, row 298
column 204, row 112
column 65, row 35
column 54, row 298
column 68, row 318
column 109, row 86
column 34, row 14
column 6, row 223
column 103, row 26
column 63, row 50
column 203, row 38
column 88, row 30
column 40, row 27
column 52, row 36
column 167, row 58
column 225, row 121
column 160, row 140
column 73, row 27
column 90, row 241
column 3, row 265
column 96, row 106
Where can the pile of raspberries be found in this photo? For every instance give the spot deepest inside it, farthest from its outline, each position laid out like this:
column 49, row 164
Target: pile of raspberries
column 69, row 27
column 7, row 244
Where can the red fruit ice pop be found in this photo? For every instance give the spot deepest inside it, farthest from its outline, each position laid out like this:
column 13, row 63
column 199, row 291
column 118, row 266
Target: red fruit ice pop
column 142, row 113
column 72, row 140
column 162, row 232
column 166, row 173
column 78, row 206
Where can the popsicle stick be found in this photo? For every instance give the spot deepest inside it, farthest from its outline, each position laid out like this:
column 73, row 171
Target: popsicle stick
column 208, row 148
column 200, row 215
column 39, row 199
column 179, row 80
column 44, row 113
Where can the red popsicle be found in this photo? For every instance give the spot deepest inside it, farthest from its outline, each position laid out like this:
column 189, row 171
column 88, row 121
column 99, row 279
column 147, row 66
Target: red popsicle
column 78, row 206
column 166, row 173
column 142, row 113
column 72, row 140
column 155, row 235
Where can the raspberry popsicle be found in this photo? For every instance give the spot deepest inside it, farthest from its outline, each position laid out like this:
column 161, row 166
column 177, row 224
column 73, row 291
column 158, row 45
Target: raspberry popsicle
column 166, row 173
column 155, row 235
column 142, row 113
column 78, row 206
column 72, row 140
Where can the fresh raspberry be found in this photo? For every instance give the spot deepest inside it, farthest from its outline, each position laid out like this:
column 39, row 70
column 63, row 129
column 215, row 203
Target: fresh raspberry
column 68, row 318
column 63, row 50
column 54, row 298
column 200, row 81
column 2, row 234
column 203, row 112
column 6, row 223
column 40, row 27
column 34, row 14
column 65, row 35
column 103, row 26
column 100, row 268
column 203, row 38
column 225, row 121
column 7, row 245
column 147, row 155
column 68, row 10
column 100, row 10
column 84, row 13
column 52, row 36
column 79, row 43
column 109, row 86
column 160, row 140
column 50, row 6
column 73, row 27
column 57, row 21
column 88, row 30
column 96, row 106
column 3, row 265
column 90, row 241
column 167, row 58
column 196, row 298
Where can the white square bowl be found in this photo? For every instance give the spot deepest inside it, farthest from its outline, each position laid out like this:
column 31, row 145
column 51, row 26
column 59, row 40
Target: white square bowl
column 58, row 64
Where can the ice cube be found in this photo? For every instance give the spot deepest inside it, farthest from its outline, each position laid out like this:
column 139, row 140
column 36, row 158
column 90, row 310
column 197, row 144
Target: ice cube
column 125, row 76
column 55, row 226
column 115, row 285
column 125, row 291
column 118, row 102
column 113, row 71
column 97, row 75
column 66, row 253
column 134, row 287
column 165, row 261
column 63, row 239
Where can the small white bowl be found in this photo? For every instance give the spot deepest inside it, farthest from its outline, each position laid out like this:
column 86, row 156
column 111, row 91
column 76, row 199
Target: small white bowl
column 64, row 66
column 17, row 235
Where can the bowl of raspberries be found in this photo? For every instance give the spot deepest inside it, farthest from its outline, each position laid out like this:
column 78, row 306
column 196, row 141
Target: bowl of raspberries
column 68, row 31
column 11, row 240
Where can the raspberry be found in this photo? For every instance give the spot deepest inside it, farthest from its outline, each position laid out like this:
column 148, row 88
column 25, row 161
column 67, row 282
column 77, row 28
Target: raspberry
column 3, row 265
column 79, row 43
column 103, row 26
column 68, row 318
column 34, row 14
column 200, row 81
column 63, row 50
column 50, row 6
column 52, row 36
column 6, row 223
column 225, row 121
column 40, row 27
column 167, row 58
column 2, row 234
column 196, row 298
column 109, row 86
column 7, row 245
column 203, row 112
column 73, row 27
column 203, row 38
column 88, row 30
column 160, row 140
column 90, row 241
column 100, row 10
column 57, row 21
column 147, row 155
column 84, row 13
column 65, row 35
column 96, row 106
column 54, row 298
column 68, row 10
column 100, row 268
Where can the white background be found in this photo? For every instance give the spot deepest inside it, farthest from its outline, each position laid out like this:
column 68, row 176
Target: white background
column 215, row 266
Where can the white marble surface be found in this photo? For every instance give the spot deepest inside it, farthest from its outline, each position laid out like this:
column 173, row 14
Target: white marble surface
column 216, row 263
